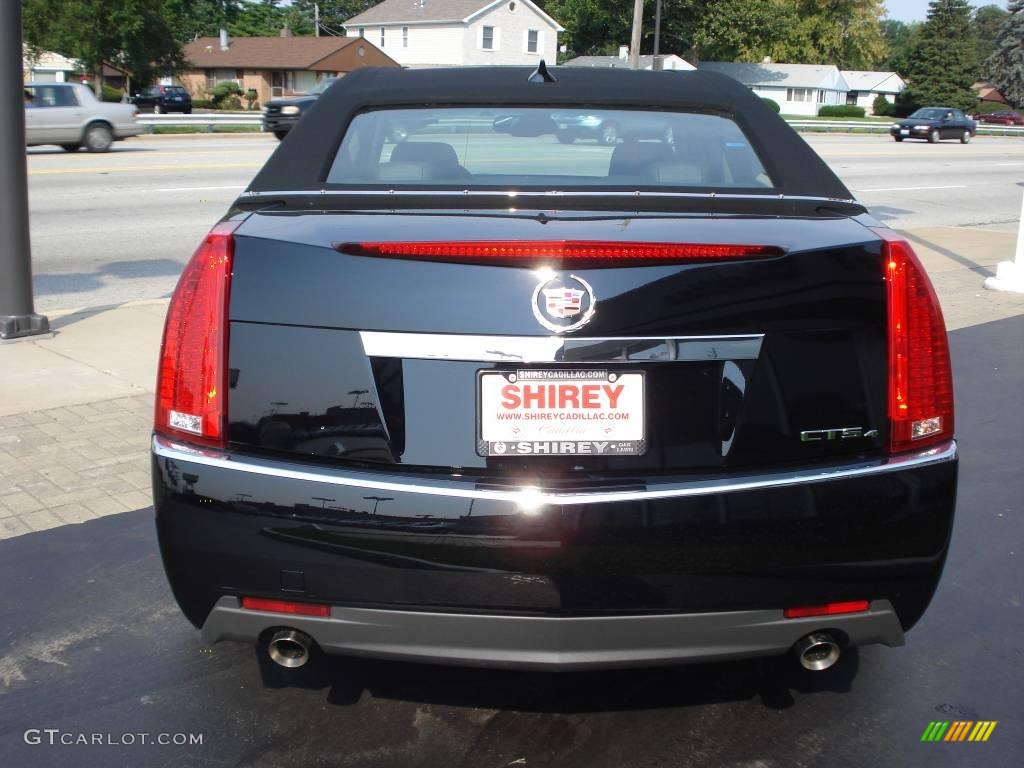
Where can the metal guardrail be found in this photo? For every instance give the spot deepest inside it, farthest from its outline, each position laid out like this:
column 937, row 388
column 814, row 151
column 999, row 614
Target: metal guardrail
column 212, row 119
column 209, row 120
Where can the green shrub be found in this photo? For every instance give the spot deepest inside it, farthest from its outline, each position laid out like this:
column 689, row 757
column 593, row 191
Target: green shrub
column 987, row 107
column 772, row 105
column 226, row 96
column 881, row 106
column 112, row 94
column 202, row 104
column 250, row 98
column 840, row 110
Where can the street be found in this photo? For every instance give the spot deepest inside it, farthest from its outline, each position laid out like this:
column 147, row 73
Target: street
column 119, row 227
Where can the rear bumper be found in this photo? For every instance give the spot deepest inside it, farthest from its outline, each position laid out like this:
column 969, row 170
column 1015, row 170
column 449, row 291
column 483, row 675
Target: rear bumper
column 705, row 564
column 531, row 642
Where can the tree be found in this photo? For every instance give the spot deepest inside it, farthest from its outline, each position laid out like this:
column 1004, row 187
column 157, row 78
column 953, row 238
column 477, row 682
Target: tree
column 943, row 65
column 1006, row 64
column 190, row 19
column 988, row 20
column 132, row 34
column 846, row 33
column 900, row 38
column 743, row 30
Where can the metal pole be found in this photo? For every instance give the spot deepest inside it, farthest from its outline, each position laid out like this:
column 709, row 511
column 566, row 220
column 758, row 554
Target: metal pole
column 316, row 19
column 634, row 43
column 657, row 35
column 17, row 315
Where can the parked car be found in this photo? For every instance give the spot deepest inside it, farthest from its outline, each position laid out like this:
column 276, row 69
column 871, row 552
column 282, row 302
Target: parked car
column 477, row 397
column 281, row 115
column 161, row 99
column 934, row 124
column 69, row 115
column 1001, row 118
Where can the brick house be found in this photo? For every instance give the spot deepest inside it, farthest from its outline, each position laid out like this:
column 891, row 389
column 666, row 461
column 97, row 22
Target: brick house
column 275, row 66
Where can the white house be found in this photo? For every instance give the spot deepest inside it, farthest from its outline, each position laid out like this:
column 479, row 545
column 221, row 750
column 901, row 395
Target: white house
column 669, row 62
column 865, row 86
column 431, row 33
column 47, row 66
column 798, row 89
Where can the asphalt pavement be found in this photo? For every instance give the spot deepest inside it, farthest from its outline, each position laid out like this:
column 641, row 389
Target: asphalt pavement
column 93, row 647
column 120, row 226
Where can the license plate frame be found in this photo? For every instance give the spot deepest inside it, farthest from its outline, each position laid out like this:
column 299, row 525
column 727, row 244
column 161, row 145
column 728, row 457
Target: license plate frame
column 582, row 431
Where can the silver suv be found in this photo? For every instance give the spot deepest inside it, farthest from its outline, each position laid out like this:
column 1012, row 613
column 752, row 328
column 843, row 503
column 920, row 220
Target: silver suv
column 68, row 114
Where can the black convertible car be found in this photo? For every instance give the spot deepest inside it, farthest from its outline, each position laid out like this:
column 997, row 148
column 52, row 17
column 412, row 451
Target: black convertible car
column 439, row 392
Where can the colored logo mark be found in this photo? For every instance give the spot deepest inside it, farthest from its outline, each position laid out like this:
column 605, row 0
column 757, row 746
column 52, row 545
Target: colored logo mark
column 959, row 730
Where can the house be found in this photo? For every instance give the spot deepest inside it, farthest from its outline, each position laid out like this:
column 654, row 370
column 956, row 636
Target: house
column 48, row 67
column 669, row 61
column 988, row 93
column 432, row 33
column 866, row 86
column 274, row 66
column 798, row 89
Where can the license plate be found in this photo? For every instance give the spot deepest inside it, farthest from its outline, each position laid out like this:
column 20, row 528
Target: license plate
column 177, row 98
column 593, row 412
column 904, row 131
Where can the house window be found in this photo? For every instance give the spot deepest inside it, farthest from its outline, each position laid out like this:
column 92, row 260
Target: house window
column 362, row 31
column 799, row 94
column 531, row 41
column 821, row 96
column 851, row 98
column 382, row 37
column 488, row 39
column 216, row 76
column 405, row 37
column 282, row 82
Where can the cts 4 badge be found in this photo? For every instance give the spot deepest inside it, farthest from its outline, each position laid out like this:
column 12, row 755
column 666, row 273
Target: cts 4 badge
column 563, row 303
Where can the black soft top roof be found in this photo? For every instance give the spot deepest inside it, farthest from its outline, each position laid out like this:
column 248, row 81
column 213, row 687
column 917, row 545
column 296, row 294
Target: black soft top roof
column 301, row 163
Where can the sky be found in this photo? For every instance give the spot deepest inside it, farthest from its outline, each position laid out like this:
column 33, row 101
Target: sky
column 917, row 10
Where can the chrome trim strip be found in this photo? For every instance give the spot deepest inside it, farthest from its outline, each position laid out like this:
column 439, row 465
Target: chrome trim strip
column 512, row 195
column 529, row 498
column 555, row 349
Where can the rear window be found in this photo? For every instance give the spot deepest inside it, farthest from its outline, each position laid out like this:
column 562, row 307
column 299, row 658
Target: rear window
column 543, row 147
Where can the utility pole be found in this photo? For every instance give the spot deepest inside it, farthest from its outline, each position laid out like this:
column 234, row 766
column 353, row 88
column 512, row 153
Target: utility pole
column 634, row 43
column 17, row 313
column 316, row 19
column 657, row 36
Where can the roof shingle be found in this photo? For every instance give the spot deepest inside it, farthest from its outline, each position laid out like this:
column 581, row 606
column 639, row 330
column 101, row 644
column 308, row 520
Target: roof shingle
column 264, row 52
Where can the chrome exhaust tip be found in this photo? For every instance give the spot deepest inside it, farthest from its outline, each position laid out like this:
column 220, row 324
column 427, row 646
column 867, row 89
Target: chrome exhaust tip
column 817, row 651
column 290, row 648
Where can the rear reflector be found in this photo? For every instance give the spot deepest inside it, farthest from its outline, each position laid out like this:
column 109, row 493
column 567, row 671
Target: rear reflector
column 285, row 606
column 920, row 373
column 828, row 609
column 191, row 399
column 538, row 252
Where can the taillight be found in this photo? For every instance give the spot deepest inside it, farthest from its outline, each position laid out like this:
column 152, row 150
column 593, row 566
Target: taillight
column 826, row 609
column 191, row 390
column 564, row 252
column 920, row 374
column 285, row 606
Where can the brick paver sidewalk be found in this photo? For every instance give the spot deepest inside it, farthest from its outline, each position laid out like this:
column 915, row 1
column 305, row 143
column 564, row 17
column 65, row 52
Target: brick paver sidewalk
column 71, row 464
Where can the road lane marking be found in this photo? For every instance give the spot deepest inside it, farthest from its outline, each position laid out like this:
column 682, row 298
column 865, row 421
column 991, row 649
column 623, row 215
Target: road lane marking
column 909, row 189
column 201, row 189
column 119, row 168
